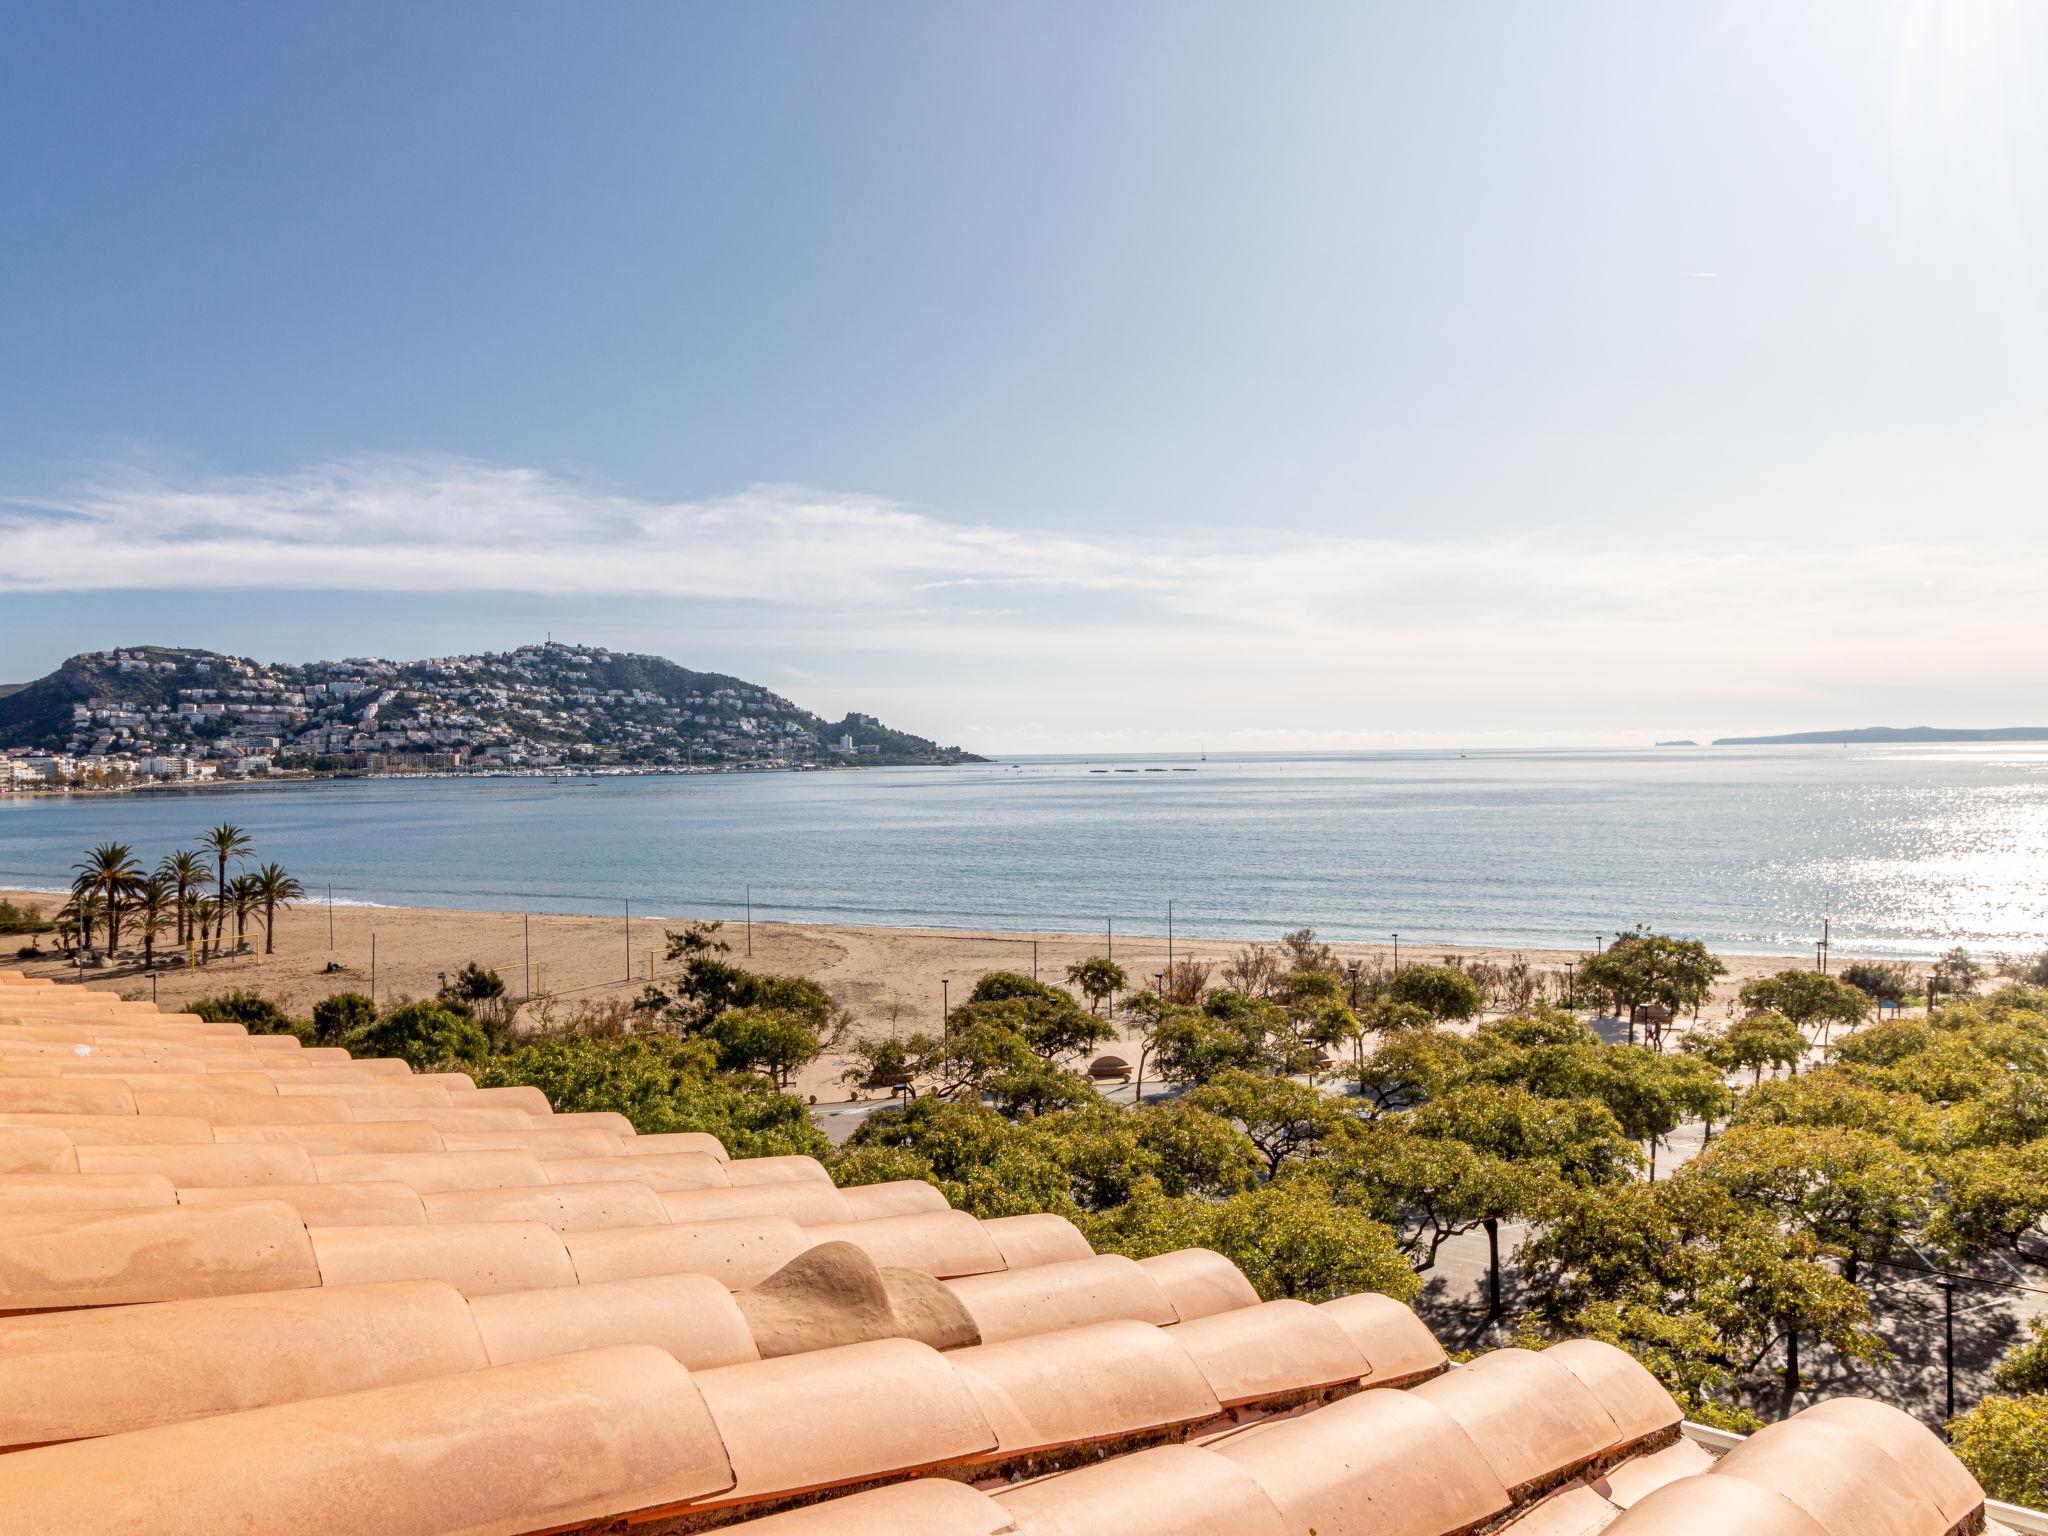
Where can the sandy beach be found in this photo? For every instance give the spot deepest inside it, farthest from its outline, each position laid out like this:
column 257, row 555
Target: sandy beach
column 889, row 978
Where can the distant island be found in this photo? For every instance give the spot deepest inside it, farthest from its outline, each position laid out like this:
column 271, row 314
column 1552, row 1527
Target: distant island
column 1687, row 743
column 182, row 715
column 1886, row 733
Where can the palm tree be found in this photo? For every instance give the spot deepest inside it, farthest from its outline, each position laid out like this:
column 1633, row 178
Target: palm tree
column 274, row 889
column 77, row 917
column 187, row 872
column 242, row 898
column 227, row 841
column 204, row 910
column 152, row 900
column 110, row 871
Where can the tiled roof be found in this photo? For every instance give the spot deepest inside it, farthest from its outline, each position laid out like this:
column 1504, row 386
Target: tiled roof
column 248, row 1286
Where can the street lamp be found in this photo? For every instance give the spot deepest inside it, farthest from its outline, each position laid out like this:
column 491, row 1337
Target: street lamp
column 1353, row 968
column 1948, row 1356
column 946, row 1005
column 1397, row 954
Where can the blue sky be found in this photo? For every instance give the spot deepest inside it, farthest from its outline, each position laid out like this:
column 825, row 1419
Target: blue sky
column 1056, row 375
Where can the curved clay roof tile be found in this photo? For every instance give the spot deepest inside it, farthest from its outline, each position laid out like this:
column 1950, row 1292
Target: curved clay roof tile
column 736, row 1253
column 1199, row 1282
column 241, row 1164
column 325, row 1138
column 33, row 1149
column 103, row 1258
column 1633, row 1398
column 692, row 1317
column 1574, row 1510
column 1933, row 1468
column 118, row 1130
column 385, row 1093
column 460, row 1118
column 63, row 1095
column 565, row 1207
column 944, row 1244
column 238, row 1108
column 71, row 1375
column 325, row 1205
column 1839, row 1475
column 516, row 1448
column 1025, row 1241
column 1016, row 1303
column 1637, row 1477
column 1530, row 1417
column 1271, row 1350
column 1081, row 1384
column 1381, row 1461
column 657, row 1170
column 928, row 1506
column 426, row 1171
column 477, row 1258
column 1170, row 1490
column 595, row 1120
column 1396, row 1341
column 898, row 1197
column 540, row 1140
column 670, row 1141
column 804, row 1203
column 518, row 1096
column 813, row 1421
column 1715, row 1506
column 22, row 1192
column 773, row 1170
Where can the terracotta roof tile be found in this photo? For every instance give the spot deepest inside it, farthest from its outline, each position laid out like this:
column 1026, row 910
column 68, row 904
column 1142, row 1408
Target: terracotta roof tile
column 661, row 1141
column 928, row 1506
column 1396, row 1341
column 1014, row 1303
column 340, row 1136
column 773, row 1170
column 477, row 1258
column 1633, row 1398
column 565, row 1207
column 1025, row 1241
column 35, row 1149
column 117, row 1130
column 22, row 1192
column 1271, row 1350
column 428, row 1171
column 739, row 1252
column 102, row 1258
column 1198, row 1282
column 215, row 1166
column 69, row 1375
column 1382, row 1461
column 498, row 1452
column 657, row 1170
column 363, row 1204
column 1170, row 1490
column 1530, row 1416
column 840, row 1416
column 803, row 1202
column 693, row 1317
column 1848, row 1482
column 1716, row 1506
column 1100, row 1382
column 898, row 1197
column 941, row 1243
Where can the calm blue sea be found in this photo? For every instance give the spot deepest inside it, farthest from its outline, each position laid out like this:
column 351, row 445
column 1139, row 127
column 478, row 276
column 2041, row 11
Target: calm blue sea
column 1907, row 850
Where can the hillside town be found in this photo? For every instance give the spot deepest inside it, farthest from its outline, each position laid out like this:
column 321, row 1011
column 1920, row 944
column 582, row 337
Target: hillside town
column 181, row 716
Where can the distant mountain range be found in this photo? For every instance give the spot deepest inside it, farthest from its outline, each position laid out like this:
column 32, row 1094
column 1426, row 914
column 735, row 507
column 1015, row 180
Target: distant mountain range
column 540, row 705
column 1887, row 733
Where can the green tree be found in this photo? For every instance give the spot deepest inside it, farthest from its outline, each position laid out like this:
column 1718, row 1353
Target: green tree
column 1855, row 1191
column 1808, row 999
column 110, row 873
column 152, row 900
column 1099, row 978
column 1441, row 991
column 253, row 1011
column 226, row 841
column 1752, row 1044
column 1643, row 968
column 2025, row 1366
column 188, row 876
column 1991, row 1198
column 1284, row 1119
column 1878, row 980
column 273, row 889
column 771, row 1041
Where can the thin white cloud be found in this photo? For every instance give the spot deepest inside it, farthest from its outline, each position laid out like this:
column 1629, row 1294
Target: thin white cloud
column 1277, row 639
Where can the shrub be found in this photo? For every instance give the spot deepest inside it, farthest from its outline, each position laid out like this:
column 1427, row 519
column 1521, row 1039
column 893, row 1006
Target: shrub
column 426, row 1036
column 661, row 1083
column 1880, row 981
column 252, row 1010
column 1441, row 991
column 338, row 1017
column 2004, row 1443
column 22, row 917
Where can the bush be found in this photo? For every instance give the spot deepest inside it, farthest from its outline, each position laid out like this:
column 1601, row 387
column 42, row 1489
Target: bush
column 661, row 1083
column 2004, row 1443
column 23, row 918
column 338, row 1017
column 2025, row 1367
column 1880, row 981
column 252, row 1010
column 426, row 1036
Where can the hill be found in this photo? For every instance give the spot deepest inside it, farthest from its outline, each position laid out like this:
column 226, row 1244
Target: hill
column 538, row 705
column 1887, row 733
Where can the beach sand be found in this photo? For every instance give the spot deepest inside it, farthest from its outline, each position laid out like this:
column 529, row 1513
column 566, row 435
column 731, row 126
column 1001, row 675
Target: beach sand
column 890, row 978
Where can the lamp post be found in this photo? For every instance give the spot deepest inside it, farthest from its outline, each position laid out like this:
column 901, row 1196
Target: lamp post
column 1948, row 1347
column 1353, row 969
column 946, row 1005
column 1397, row 954
column 1571, row 984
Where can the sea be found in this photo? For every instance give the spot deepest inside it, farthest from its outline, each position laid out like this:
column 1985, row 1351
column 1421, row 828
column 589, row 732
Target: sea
column 1901, row 851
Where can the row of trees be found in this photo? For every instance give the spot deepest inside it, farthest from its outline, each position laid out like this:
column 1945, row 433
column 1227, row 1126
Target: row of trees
column 189, row 894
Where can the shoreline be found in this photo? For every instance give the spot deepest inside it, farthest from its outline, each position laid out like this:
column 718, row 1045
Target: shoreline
column 890, row 978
